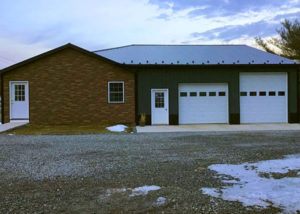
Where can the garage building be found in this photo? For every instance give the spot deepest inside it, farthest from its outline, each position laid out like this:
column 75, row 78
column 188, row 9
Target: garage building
column 195, row 84
column 170, row 84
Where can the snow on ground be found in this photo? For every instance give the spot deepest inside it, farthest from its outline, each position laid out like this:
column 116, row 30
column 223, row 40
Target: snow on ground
column 211, row 191
column 160, row 201
column 248, row 187
column 143, row 190
column 117, row 128
column 136, row 192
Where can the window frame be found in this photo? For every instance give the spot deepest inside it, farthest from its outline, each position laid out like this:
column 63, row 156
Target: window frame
column 221, row 92
column 262, row 93
column 212, row 93
column 108, row 91
column 244, row 93
column 194, row 94
column 183, row 94
column 272, row 94
column 202, row 94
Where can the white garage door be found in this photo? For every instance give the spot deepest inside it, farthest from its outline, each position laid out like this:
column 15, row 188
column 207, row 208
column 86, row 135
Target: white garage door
column 203, row 103
column 263, row 98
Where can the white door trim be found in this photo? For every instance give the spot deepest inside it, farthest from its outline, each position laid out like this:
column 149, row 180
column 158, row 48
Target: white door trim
column 167, row 97
column 10, row 100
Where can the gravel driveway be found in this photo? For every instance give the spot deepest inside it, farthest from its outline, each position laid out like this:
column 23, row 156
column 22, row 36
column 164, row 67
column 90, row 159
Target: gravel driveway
column 98, row 173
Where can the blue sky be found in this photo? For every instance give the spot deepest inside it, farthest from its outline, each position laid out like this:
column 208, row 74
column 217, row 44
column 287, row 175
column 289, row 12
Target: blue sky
column 28, row 28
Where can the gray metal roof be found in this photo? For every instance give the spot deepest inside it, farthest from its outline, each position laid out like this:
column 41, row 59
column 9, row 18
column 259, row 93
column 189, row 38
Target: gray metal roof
column 191, row 54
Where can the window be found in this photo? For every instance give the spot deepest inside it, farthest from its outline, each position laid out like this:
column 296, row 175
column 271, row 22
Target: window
column 193, row 94
column 183, row 94
column 212, row 94
column 202, row 94
column 272, row 93
column 262, row 93
column 159, row 100
column 253, row 93
column 19, row 92
column 243, row 93
column 222, row 93
column 281, row 93
column 116, row 92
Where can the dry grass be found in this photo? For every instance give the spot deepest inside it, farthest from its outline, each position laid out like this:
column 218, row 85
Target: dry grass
column 59, row 129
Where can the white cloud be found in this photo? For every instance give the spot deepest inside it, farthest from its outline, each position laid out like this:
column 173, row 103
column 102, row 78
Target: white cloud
column 13, row 51
column 28, row 29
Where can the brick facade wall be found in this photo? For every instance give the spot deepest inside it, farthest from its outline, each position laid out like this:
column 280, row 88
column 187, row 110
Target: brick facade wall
column 71, row 87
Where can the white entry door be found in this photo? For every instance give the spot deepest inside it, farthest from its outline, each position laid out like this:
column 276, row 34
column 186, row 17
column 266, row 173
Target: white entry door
column 19, row 101
column 159, row 106
column 263, row 97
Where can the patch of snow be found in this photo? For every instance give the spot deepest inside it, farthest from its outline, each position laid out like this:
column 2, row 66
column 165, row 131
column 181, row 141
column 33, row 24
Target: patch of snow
column 211, row 191
column 109, row 192
column 117, row 128
column 160, row 201
column 253, row 190
column 230, row 181
column 143, row 190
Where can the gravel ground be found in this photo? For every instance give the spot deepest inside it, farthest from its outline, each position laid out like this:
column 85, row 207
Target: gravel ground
column 95, row 173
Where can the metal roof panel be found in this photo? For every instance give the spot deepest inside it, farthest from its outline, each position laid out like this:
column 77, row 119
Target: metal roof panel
column 191, row 54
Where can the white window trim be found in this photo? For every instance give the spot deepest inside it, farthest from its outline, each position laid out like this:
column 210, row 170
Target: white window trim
column 108, row 91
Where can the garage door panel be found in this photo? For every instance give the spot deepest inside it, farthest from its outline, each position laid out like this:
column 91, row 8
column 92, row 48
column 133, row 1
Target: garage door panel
column 203, row 109
column 269, row 108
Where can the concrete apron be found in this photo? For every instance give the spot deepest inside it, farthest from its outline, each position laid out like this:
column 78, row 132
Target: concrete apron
column 7, row 126
column 219, row 128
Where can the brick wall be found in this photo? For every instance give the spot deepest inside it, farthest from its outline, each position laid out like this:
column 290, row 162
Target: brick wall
column 70, row 87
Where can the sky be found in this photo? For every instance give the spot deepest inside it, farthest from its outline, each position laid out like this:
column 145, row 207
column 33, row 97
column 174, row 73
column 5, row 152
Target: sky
column 31, row 27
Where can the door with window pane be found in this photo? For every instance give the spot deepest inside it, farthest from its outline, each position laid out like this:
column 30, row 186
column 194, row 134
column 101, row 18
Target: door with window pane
column 19, row 102
column 159, row 106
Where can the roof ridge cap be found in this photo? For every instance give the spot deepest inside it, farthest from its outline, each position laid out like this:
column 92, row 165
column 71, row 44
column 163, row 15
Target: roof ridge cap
column 106, row 49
